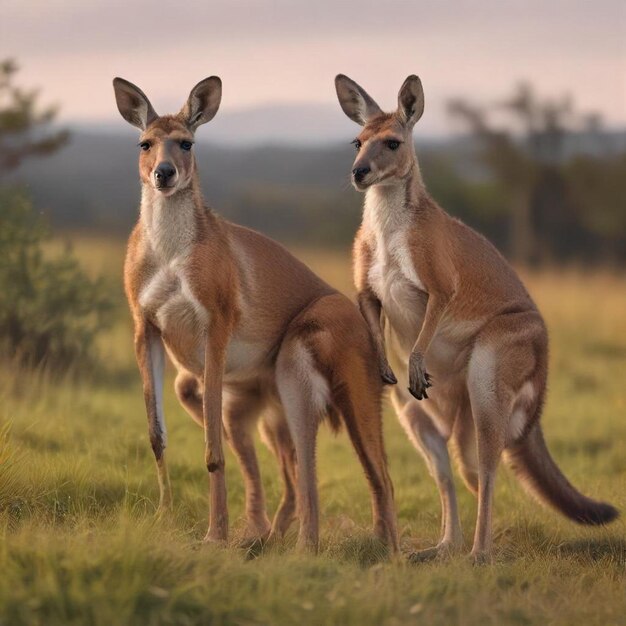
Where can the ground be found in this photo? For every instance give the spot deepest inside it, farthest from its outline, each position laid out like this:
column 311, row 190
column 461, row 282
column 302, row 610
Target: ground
column 80, row 543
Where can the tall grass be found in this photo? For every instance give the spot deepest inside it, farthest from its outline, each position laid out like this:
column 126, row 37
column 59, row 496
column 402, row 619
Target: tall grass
column 80, row 543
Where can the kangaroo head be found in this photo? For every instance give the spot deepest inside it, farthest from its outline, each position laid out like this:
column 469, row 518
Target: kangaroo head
column 385, row 153
column 166, row 160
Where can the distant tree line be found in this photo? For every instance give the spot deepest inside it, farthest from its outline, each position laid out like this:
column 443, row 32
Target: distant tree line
column 541, row 181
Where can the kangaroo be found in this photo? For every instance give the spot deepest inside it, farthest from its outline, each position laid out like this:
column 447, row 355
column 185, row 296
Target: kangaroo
column 249, row 329
column 443, row 302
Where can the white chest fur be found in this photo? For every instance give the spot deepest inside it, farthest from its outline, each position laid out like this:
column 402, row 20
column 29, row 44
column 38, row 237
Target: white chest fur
column 169, row 224
column 386, row 221
column 166, row 296
column 392, row 274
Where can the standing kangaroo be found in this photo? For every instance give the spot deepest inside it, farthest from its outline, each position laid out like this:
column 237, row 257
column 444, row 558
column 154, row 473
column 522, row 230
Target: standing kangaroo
column 249, row 329
column 454, row 308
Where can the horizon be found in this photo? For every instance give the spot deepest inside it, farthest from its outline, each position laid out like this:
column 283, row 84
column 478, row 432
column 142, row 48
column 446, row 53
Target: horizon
column 228, row 130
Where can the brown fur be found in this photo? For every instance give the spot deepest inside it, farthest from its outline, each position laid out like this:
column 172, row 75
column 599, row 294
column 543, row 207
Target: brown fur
column 250, row 330
column 452, row 307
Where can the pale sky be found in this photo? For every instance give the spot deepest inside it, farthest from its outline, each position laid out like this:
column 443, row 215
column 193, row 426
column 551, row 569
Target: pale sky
column 288, row 52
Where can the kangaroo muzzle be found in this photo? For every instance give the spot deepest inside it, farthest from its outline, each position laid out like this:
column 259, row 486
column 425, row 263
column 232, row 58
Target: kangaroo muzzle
column 164, row 175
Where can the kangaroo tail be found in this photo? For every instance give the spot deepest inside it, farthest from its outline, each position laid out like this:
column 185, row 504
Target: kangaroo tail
column 541, row 477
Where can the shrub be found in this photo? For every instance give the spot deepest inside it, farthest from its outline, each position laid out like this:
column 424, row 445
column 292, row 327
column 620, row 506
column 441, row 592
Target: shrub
column 50, row 310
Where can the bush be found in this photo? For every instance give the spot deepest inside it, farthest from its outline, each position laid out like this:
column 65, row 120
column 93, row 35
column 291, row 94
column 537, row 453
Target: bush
column 50, row 310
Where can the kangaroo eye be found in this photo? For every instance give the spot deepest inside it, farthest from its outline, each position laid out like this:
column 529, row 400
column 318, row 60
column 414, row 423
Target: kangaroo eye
column 357, row 144
column 145, row 145
column 392, row 144
column 186, row 145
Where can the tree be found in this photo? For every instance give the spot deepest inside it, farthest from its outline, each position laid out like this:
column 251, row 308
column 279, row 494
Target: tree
column 23, row 122
column 528, row 155
column 50, row 310
column 512, row 167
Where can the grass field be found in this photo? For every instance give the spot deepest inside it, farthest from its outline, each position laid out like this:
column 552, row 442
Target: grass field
column 80, row 544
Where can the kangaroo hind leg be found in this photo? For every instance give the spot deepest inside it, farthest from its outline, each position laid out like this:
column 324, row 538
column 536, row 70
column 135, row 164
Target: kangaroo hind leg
column 304, row 395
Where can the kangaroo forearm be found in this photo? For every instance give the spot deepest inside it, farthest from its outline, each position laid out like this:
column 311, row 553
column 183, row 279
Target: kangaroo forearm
column 144, row 364
column 371, row 308
column 149, row 354
column 434, row 312
column 214, row 359
column 212, row 413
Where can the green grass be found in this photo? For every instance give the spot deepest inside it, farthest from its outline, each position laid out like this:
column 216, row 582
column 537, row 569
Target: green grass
column 80, row 544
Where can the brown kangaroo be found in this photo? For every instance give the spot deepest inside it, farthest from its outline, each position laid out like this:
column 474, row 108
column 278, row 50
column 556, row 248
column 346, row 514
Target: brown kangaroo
column 452, row 307
column 249, row 329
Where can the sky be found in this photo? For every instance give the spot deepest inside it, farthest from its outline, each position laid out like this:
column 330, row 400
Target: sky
column 277, row 60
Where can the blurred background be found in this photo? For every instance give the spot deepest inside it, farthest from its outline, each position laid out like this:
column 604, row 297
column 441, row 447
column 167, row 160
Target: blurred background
column 523, row 136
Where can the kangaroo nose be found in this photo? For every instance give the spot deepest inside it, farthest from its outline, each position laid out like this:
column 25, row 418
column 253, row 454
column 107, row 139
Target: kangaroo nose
column 360, row 173
column 163, row 173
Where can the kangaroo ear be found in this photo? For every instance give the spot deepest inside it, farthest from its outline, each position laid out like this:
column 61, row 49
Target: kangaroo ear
column 133, row 104
column 356, row 103
column 203, row 102
column 411, row 100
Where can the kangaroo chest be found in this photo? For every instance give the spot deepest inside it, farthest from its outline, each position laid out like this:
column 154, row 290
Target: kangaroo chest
column 392, row 275
column 396, row 282
column 168, row 301
column 166, row 296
